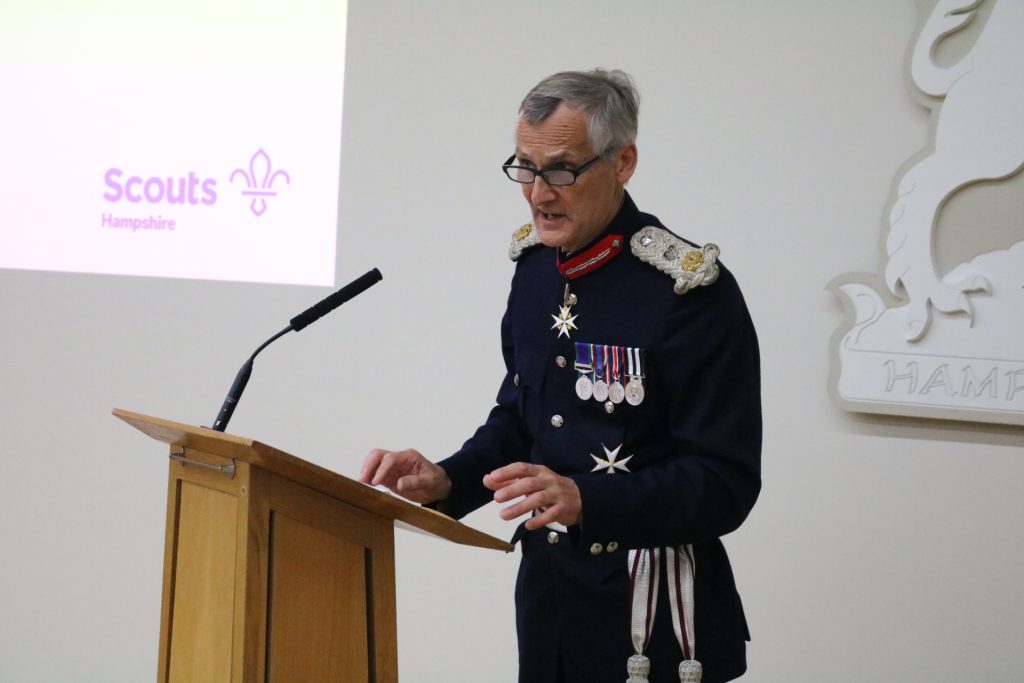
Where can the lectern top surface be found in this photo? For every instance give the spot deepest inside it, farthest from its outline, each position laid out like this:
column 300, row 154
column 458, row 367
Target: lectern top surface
column 338, row 486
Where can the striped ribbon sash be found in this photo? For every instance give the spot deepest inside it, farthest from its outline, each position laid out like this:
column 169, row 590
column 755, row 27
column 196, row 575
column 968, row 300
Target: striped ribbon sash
column 644, row 575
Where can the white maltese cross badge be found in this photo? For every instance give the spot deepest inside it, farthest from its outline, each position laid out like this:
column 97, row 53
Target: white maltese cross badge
column 610, row 462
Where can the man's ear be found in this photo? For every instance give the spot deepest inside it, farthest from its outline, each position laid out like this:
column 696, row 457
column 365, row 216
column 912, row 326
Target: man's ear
column 625, row 163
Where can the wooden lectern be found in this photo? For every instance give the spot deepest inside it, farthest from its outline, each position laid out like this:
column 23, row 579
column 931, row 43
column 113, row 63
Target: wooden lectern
column 276, row 569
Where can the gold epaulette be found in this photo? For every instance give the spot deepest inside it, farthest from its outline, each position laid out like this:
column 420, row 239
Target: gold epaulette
column 689, row 266
column 522, row 239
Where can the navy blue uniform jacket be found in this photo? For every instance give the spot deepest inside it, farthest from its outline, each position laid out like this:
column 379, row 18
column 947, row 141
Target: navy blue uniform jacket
column 694, row 475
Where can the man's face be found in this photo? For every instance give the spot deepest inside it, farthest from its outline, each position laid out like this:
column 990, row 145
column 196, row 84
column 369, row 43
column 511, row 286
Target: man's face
column 570, row 216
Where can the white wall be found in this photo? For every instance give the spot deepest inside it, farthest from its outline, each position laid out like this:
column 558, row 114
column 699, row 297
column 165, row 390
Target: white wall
column 882, row 549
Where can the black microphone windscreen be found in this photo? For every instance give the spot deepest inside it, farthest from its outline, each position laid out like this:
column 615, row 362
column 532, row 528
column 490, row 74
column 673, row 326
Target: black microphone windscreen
column 352, row 289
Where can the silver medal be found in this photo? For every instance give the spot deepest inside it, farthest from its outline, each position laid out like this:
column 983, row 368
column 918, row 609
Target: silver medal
column 616, row 392
column 634, row 392
column 584, row 385
column 584, row 388
column 602, row 375
column 635, row 386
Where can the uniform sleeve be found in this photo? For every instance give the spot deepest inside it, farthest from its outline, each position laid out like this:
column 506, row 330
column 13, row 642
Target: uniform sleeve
column 501, row 440
column 708, row 383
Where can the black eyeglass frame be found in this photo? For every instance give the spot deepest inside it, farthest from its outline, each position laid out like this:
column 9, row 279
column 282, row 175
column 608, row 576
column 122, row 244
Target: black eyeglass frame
column 509, row 170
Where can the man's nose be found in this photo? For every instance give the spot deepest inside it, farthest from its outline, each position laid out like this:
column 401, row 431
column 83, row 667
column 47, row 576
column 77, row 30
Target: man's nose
column 540, row 191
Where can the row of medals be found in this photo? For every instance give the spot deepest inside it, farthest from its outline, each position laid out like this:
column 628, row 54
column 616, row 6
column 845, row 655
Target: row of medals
column 588, row 385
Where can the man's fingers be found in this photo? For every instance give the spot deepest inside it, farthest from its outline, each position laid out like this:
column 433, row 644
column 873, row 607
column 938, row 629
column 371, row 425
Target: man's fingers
column 542, row 478
column 391, row 468
column 513, row 488
column 370, row 465
column 384, row 469
column 544, row 517
column 525, row 506
column 516, row 470
column 411, row 482
column 406, row 472
column 553, row 497
column 498, row 484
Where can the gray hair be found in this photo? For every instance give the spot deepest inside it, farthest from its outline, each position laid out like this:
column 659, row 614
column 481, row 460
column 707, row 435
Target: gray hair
column 608, row 98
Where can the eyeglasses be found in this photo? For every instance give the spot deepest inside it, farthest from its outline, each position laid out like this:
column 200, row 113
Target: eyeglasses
column 558, row 177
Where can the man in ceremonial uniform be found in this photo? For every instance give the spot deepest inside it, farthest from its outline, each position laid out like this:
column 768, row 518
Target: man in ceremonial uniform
column 628, row 424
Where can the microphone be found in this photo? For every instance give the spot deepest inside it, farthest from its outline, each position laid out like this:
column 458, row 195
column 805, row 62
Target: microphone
column 329, row 303
column 299, row 322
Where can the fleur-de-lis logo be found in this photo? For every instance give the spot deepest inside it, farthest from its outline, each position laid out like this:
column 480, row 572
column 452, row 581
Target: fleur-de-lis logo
column 260, row 179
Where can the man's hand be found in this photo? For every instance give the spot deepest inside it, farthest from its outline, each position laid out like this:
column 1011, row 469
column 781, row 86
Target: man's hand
column 555, row 498
column 407, row 473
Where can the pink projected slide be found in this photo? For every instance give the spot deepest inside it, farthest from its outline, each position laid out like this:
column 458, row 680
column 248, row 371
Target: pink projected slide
column 194, row 139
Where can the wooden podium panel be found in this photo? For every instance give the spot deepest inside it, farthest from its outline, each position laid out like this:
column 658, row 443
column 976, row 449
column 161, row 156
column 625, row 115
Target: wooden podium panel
column 276, row 569
column 331, row 590
column 204, row 578
column 318, row 606
column 267, row 580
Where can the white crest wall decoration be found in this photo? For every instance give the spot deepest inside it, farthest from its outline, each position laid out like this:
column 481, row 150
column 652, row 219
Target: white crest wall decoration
column 918, row 341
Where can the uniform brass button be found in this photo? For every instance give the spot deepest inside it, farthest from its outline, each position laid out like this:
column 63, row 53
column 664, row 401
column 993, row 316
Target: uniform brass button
column 557, row 421
column 552, row 537
column 560, row 361
column 596, row 549
column 612, row 546
column 515, row 380
column 609, row 407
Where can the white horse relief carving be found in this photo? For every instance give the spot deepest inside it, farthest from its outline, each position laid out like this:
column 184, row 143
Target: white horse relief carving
column 953, row 345
column 979, row 136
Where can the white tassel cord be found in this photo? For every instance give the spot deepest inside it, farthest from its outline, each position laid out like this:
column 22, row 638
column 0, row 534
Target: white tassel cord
column 680, row 590
column 643, row 577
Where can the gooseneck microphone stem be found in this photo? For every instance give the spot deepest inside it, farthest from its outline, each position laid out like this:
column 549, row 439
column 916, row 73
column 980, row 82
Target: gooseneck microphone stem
column 238, row 386
column 299, row 322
